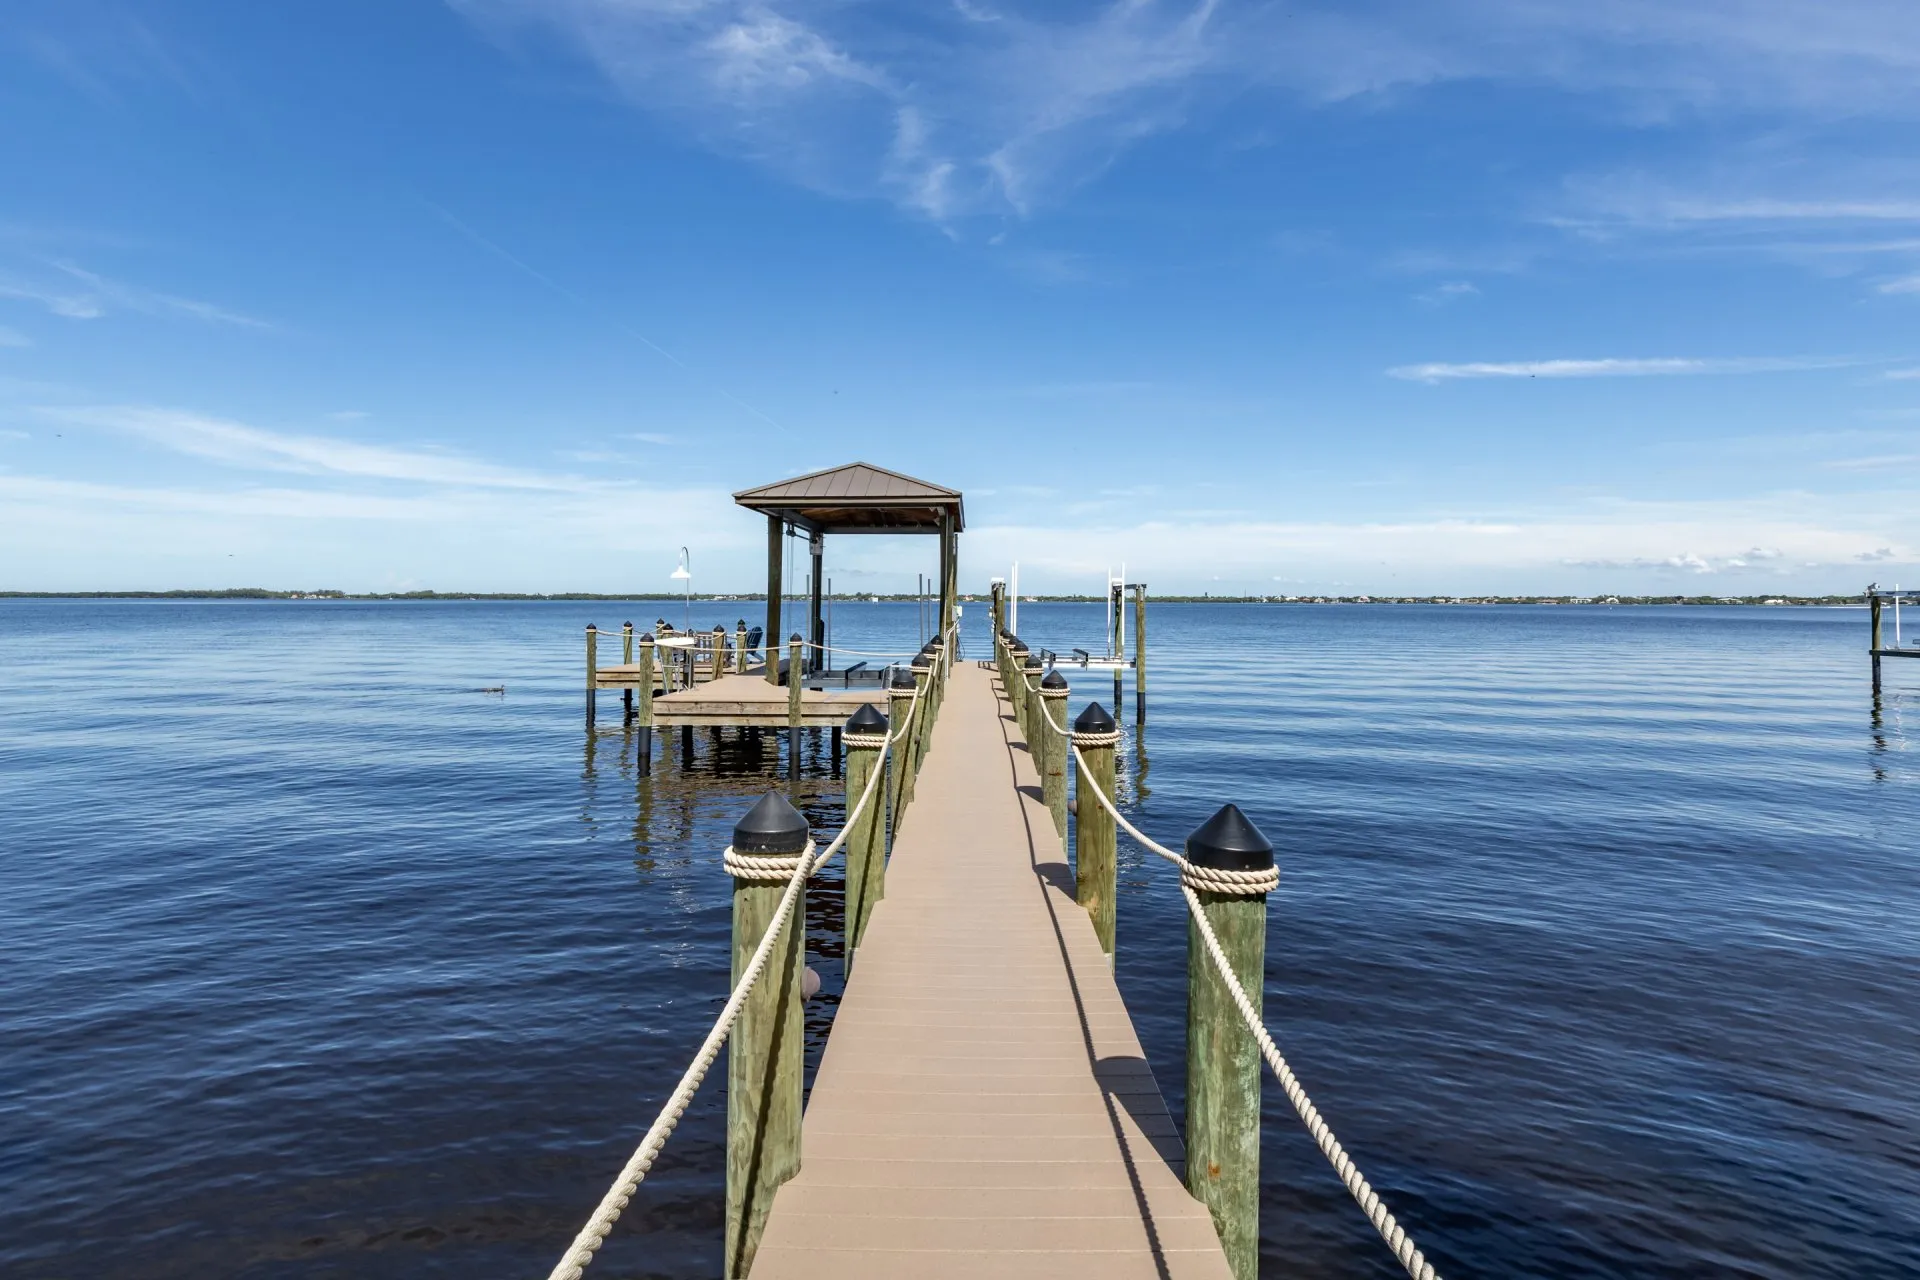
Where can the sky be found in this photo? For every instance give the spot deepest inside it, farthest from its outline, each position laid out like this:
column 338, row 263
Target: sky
column 1388, row 296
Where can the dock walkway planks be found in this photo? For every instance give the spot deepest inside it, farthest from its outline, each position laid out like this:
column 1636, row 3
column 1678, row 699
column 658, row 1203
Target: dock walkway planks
column 983, row 1109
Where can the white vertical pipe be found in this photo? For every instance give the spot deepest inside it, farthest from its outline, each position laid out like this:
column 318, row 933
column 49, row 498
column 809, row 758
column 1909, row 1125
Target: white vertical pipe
column 1013, row 596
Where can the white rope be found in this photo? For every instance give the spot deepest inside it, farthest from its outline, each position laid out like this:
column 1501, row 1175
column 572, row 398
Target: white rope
column 1242, row 883
column 796, row 870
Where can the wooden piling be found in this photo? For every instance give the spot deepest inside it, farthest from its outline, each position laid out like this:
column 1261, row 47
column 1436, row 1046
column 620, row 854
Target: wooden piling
column 644, row 711
column 1873, row 643
column 1052, row 760
column 1094, row 866
column 922, row 668
column 740, row 647
column 626, row 659
column 899, row 704
column 765, row 1050
column 593, row 671
column 1029, row 678
column 865, row 737
column 1139, row 653
column 1223, row 1059
column 796, row 684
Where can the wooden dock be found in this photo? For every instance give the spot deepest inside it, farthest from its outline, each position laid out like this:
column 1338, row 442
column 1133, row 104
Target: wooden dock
column 983, row 1108
column 747, row 699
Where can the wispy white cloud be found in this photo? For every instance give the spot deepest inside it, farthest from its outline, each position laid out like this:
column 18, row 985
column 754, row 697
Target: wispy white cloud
column 1666, row 366
column 239, row 445
column 989, row 108
column 1901, row 375
column 1448, row 291
column 648, row 437
column 1905, row 284
column 13, row 338
column 68, row 290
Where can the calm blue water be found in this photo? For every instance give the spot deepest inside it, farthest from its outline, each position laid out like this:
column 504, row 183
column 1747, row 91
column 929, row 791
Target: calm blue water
column 1598, row 939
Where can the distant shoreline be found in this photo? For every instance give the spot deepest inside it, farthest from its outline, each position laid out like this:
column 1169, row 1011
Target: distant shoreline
column 261, row 593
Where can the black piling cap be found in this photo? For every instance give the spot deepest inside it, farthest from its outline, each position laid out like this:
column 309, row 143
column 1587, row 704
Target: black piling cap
column 1053, row 680
column 646, row 637
column 719, row 630
column 921, row 661
column 902, row 678
column 743, row 624
column 627, row 625
column 1017, row 645
column 1033, row 662
column 867, row 720
column 1228, row 842
column 793, row 637
column 771, row 826
column 1093, row 720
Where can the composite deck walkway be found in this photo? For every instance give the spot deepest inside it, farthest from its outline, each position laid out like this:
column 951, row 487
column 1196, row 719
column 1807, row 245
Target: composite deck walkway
column 983, row 1109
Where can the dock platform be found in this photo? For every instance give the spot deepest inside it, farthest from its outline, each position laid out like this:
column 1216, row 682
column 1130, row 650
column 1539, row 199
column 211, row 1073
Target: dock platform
column 748, row 699
column 983, row 1108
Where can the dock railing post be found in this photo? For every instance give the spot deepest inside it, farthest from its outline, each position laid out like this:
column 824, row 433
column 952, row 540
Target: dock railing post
column 626, row 660
column 1030, row 677
column 865, row 737
column 719, row 650
column 922, row 668
column 796, row 683
column 1094, row 871
column 899, row 704
column 1053, row 754
column 644, row 756
column 766, row 1048
column 593, row 670
column 1223, row 1060
column 1139, row 653
column 740, row 647
column 1016, row 663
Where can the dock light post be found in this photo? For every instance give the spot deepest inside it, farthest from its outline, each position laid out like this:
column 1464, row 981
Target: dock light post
column 1223, row 1060
column 1095, row 733
column 765, row 1051
column 899, row 710
column 685, row 574
column 865, row 736
column 1052, row 761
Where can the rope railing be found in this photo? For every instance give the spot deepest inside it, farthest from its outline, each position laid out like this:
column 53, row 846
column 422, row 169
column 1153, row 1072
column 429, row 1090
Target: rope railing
column 1222, row 880
column 803, row 867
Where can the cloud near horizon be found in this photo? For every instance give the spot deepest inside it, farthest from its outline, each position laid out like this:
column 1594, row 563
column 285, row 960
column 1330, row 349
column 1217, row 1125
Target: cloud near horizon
column 1659, row 367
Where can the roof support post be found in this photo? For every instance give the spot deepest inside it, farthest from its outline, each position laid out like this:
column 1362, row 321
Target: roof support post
column 771, row 645
column 816, row 626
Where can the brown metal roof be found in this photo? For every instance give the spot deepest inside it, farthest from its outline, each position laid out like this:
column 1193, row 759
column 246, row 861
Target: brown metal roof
column 857, row 498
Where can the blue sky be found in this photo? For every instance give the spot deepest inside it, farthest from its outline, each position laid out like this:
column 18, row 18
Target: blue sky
column 1438, row 296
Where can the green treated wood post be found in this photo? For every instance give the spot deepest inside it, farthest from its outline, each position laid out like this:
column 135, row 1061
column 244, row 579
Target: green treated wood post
column 1140, row 653
column 719, row 650
column 776, row 537
column 740, row 647
column 644, row 712
column 899, row 700
column 1223, row 1059
column 865, row 737
column 1052, row 762
column 796, row 683
column 593, row 670
column 766, row 1049
column 1094, row 866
